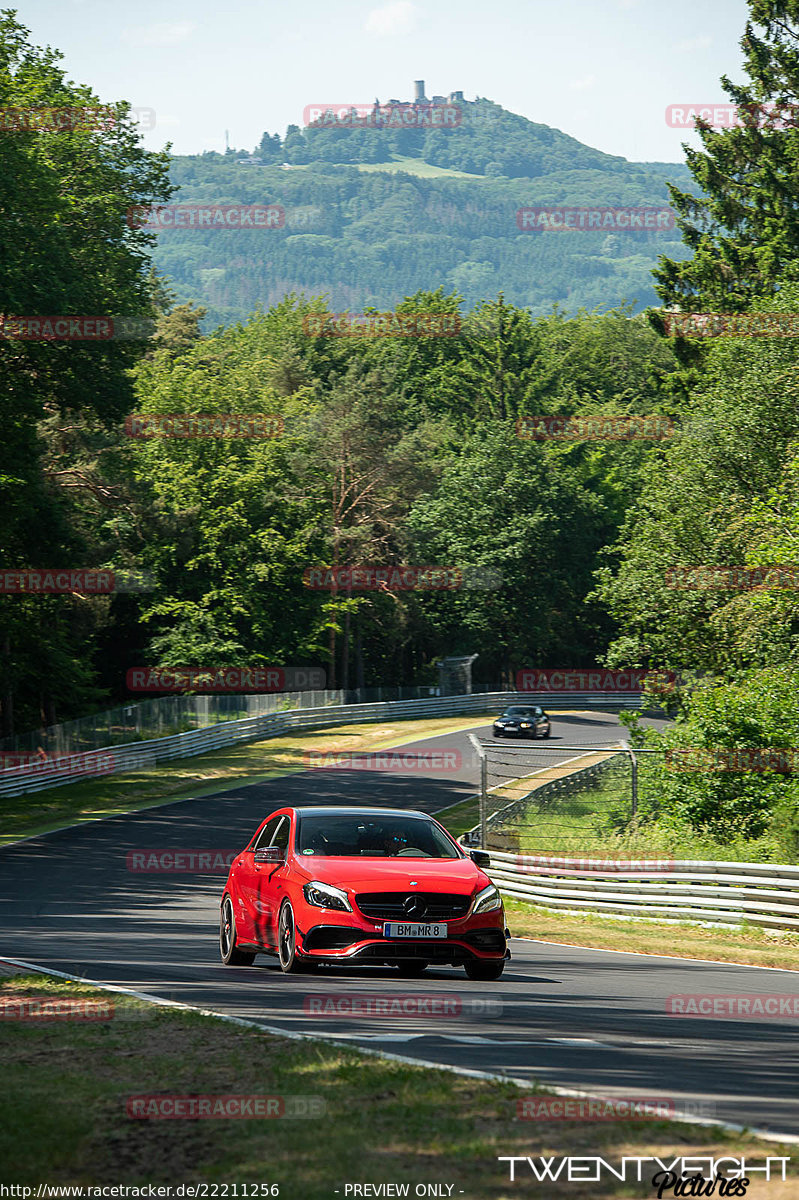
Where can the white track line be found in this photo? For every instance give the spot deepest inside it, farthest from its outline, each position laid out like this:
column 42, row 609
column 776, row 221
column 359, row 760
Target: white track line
column 645, row 954
column 766, row 1135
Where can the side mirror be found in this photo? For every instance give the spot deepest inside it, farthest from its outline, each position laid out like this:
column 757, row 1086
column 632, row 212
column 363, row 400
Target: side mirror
column 481, row 858
column 269, row 854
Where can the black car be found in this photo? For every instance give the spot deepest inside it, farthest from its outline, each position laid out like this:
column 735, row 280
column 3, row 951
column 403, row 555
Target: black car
column 522, row 721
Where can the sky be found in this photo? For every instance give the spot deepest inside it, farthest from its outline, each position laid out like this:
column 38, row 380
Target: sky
column 603, row 71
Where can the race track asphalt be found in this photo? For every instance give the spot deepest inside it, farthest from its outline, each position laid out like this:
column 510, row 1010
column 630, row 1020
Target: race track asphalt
column 571, row 1017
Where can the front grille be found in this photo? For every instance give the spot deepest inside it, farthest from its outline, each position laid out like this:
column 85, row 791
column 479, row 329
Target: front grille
column 390, row 906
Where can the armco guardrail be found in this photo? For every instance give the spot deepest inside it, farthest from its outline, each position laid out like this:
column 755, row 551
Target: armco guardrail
column 692, row 890
column 16, row 781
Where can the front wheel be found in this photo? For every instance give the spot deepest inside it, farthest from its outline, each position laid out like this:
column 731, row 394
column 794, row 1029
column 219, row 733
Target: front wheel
column 290, row 963
column 547, row 732
column 231, row 955
column 484, row 970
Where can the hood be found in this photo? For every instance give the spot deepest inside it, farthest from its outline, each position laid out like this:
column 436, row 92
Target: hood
column 458, row 875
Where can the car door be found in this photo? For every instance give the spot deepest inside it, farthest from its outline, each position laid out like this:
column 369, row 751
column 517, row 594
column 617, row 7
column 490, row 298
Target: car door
column 250, row 911
column 272, row 876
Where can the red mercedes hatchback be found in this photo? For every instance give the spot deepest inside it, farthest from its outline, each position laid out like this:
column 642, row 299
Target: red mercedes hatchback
column 363, row 885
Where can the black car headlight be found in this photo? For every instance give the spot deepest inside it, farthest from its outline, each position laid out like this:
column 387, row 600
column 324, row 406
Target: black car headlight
column 324, row 895
column 524, row 724
column 488, row 900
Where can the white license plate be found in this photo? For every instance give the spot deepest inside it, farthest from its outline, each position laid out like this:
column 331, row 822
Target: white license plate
column 396, row 929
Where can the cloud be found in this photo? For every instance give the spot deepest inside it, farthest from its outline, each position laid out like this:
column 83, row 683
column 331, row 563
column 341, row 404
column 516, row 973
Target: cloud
column 698, row 43
column 398, row 16
column 163, row 33
column 579, row 85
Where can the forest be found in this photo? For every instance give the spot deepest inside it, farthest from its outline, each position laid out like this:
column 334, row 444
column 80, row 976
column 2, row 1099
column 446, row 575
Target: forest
column 402, row 449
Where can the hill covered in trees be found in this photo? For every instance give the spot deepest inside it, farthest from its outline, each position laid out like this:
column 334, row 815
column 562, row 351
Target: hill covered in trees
column 375, row 214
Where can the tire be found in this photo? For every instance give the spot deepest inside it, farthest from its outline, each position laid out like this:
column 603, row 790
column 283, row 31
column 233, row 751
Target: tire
column 290, row 963
column 229, row 951
column 484, row 970
column 549, row 730
column 413, row 967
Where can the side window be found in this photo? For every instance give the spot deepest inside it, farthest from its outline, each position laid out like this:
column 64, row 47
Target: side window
column 265, row 836
column 281, row 838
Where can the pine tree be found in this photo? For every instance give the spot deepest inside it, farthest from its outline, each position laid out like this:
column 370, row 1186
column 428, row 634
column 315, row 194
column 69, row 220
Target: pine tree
column 744, row 229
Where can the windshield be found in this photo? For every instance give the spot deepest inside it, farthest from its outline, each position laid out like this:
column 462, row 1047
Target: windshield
column 372, row 837
column 519, row 712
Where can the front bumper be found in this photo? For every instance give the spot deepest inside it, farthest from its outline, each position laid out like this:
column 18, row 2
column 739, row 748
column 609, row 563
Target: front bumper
column 338, row 941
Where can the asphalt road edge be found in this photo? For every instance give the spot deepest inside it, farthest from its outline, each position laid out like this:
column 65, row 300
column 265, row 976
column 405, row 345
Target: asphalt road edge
column 766, row 1135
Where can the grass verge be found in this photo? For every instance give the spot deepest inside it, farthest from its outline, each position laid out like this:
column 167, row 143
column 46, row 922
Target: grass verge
column 746, row 944
column 66, row 1085
column 53, row 808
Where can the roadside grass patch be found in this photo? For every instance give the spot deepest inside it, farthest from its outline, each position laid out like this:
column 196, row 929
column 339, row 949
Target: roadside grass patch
column 746, row 944
column 248, row 762
column 63, row 1112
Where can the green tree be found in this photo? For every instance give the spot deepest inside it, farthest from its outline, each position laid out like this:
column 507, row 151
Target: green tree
column 743, row 229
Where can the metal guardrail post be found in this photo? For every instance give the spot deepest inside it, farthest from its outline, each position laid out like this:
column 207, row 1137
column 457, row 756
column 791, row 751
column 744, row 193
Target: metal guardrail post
column 634, row 781
column 481, row 754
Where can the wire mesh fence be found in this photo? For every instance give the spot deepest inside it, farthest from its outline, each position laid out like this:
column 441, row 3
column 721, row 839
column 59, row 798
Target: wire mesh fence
column 167, row 715
column 571, row 802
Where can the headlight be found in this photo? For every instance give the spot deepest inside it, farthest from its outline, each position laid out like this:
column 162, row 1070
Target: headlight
column 487, row 901
column 324, row 895
column 524, row 724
